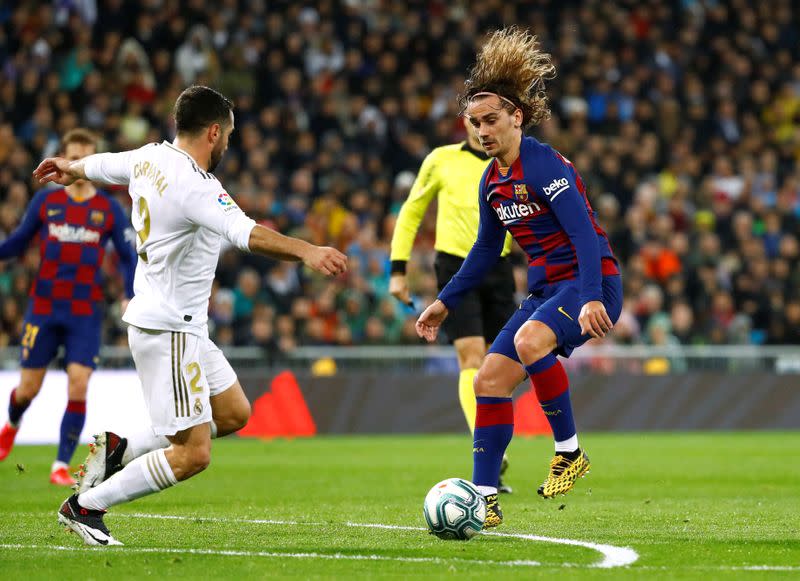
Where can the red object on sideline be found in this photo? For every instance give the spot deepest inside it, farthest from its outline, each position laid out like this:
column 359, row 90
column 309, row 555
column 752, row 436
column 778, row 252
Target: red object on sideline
column 292, row 405
column 529, row 419
column 280, row 412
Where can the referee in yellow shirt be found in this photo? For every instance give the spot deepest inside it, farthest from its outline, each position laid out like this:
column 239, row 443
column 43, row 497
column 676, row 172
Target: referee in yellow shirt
column 452, row 174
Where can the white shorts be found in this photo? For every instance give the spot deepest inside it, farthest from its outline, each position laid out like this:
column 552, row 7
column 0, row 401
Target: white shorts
column 179, row 373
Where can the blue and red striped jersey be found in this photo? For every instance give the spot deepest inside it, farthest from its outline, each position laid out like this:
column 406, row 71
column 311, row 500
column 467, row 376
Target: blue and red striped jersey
column 542, row 201
column 72, row 241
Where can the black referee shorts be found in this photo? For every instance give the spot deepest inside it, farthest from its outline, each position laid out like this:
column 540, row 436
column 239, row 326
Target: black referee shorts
column 485, row 309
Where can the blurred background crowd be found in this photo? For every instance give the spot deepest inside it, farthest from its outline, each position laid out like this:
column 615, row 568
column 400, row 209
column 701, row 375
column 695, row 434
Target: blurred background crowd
column 682, row 117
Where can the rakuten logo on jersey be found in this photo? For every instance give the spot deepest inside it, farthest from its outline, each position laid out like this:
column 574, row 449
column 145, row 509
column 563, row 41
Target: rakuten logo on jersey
column 513, row 212
column 556, row 187
column 69, row 233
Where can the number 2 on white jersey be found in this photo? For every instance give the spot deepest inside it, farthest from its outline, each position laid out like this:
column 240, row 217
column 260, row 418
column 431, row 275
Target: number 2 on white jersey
column 143, row 232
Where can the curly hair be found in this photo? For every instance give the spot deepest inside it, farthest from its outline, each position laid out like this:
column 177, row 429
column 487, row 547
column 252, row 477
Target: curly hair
column 512, row 65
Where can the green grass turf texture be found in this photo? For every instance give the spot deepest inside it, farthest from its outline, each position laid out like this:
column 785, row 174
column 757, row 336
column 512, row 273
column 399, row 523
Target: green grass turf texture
column 693, row 506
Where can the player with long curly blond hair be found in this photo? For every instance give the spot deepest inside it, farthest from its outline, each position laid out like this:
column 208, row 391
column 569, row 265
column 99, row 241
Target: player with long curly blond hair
column 512, row 66
column 534, row 192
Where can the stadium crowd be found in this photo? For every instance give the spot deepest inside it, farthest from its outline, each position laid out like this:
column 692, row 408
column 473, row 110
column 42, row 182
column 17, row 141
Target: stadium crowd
column 683, row 119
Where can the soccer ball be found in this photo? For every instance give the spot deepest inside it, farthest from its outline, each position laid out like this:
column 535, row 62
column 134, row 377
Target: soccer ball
column 454, row 509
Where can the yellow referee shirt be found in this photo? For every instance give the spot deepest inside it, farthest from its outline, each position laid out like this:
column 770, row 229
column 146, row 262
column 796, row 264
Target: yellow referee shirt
column 453, row 173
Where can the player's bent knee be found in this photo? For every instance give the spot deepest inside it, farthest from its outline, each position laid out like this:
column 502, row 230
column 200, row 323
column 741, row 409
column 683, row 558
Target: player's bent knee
column 77, row 389
column 243, row 415
column 470, row 352
column 487, row 385
column 25, row 394
column 197, row 459
column 30, row 383
column 533, row 341
column 470, row 358
column 201, row 459
column 238, row 418
column 472, row 362
column 232, row 419
column 188, row 460
column 78, row 381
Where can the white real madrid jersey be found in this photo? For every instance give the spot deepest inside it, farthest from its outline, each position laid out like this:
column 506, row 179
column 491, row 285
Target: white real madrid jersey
column 181, row 214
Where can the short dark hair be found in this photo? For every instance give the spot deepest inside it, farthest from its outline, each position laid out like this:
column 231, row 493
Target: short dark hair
column 78, row 135
column 199, row 107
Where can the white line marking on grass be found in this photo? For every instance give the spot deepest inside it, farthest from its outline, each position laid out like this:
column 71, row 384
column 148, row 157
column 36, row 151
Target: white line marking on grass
column 766, row 568
column 231, row 553
column 612, row 556
column 340, row 556
column 257, row 521
column 721, row 568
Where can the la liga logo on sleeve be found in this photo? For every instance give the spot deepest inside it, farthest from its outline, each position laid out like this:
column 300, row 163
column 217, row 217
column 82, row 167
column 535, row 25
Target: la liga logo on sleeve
column 226, row 202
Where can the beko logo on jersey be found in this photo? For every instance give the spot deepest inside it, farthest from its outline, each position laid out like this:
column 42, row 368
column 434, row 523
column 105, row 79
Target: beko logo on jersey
column 514, row 212
column 556, row 187
column 69, row 233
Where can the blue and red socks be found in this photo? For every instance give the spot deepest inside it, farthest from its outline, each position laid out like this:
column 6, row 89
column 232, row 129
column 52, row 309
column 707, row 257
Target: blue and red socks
column 550, row 382
column 494, row 427
column 15, row 409
column 71, row 428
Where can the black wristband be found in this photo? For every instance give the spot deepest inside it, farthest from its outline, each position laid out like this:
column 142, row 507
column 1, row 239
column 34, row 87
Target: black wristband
column 399, row 266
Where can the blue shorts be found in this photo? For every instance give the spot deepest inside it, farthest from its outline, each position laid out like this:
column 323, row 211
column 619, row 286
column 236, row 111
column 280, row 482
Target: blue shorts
column 43, row 334
column 558, row 306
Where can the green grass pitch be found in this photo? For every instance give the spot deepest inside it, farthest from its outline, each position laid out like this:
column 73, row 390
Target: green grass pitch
column 692, row 506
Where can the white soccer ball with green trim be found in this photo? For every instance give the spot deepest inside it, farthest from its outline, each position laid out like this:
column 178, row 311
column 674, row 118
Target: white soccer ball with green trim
column 454, row 509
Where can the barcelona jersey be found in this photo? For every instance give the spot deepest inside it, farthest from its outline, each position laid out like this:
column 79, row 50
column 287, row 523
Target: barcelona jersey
column 72, row 242
column 541, row 200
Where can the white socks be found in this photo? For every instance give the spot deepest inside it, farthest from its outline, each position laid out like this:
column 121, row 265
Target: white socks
column 486, row 490
column 145, row 471
column 568, row 445
column 141, row 443
column 142, row 476
column 146, row 441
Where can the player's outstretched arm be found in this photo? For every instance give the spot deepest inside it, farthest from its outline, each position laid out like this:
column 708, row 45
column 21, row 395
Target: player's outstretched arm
column 324, row 259
column 60, row 170
column 430, row 320
column 207, row 209
column 107, row 168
